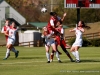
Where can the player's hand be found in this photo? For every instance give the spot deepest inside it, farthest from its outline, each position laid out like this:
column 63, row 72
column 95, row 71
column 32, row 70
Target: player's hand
column 64, row 14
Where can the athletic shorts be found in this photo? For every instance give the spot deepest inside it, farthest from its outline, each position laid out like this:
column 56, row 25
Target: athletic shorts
column 78, row 43
column 11, row 41
column 49, row 43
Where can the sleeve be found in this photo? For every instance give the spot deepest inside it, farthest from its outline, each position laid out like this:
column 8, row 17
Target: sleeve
column 62, row 31
column 52, row 22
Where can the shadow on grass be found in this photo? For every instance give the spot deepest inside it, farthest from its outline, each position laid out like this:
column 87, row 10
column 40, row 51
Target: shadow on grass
column 81, row 61
column 31, row 57
column 90, row 60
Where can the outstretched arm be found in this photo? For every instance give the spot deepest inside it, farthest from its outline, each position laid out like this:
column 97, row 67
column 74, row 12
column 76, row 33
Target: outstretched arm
column 64, row 15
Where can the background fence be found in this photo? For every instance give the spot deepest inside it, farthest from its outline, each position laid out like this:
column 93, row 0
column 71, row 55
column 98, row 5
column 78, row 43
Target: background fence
column 40, row 43
column 87, row 36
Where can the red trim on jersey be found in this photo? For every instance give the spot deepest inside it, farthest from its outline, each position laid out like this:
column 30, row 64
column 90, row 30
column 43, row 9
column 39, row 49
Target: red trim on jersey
column 49, row 27
column 5, row 29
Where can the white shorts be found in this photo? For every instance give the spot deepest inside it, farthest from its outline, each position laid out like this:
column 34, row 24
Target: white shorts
column 49, row 43
column 78, row 43
column 11, row 41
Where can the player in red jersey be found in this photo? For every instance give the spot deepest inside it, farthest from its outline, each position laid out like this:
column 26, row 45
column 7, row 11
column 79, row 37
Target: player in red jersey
column 4, row 29
column 53, row 21
column 7, row 25
column 60, row 40
column 52, row 27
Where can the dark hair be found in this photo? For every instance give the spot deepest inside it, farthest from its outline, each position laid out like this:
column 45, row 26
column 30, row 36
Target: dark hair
column 53, row 13
column 12, row 22
column 60, row 21
column 84, row 25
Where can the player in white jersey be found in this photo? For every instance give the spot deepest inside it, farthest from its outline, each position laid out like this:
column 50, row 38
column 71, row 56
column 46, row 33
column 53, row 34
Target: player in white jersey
column 11, row 33
column 49, row 41
column 78, row 42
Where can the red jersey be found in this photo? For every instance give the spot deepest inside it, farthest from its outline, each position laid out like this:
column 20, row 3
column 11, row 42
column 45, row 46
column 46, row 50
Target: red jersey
column 49, row 26
column 5, row 28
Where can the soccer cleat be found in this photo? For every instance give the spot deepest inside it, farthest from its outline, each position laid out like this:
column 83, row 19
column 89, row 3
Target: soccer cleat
column 59, row 61
column 48, row 61
column 77, row 61
column 16, row 54
column 4, row 58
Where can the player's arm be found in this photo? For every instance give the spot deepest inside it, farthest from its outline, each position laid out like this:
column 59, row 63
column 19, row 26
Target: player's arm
column 2, row 31
column 72, row 30
column 6, row 33
column 64, row 15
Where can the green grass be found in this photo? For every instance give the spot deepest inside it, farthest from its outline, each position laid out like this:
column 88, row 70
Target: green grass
column 32, row 61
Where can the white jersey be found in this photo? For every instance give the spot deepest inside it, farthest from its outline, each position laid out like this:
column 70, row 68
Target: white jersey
column 11, row 37
column 78, row 41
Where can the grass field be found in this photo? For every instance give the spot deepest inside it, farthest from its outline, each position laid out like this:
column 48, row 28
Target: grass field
column 32, row 61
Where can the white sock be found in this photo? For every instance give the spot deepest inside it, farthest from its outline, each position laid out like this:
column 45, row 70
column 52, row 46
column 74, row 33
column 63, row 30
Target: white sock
column 13, row 49
column 57, row 55
column 73, row 52
column 48, row 56
column 77, row 55
column 7, row 53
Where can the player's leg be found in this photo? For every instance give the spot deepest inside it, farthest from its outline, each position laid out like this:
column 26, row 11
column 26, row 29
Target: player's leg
column 57, row 54
column 72, row 50
column 52, row 55
column 8, row 50
column 77, row 54
column 13, row 49
column 67, row 53
column 47, row 53
column 64, row 43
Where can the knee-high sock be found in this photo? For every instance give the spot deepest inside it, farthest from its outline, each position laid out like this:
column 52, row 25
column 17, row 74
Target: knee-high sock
column 57, row 55
column 7, row 53
column 13, row 49
column 48, row 56
column 73, row 52
column 77, row 55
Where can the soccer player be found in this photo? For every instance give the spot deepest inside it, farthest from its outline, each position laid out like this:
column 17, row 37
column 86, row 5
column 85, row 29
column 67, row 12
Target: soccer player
column 11, row 32
column 78, row 42
column 53, row 21
column 5, row 27
column 49, row 41
column 60, row 40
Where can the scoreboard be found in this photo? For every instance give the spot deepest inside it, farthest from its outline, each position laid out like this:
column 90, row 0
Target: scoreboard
column 82, row 3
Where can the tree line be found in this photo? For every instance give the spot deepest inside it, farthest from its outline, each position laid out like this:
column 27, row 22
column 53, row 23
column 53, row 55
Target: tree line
column 32, row 12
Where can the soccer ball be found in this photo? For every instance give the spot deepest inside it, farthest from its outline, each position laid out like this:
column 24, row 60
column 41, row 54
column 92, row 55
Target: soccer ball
column 43, row 10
